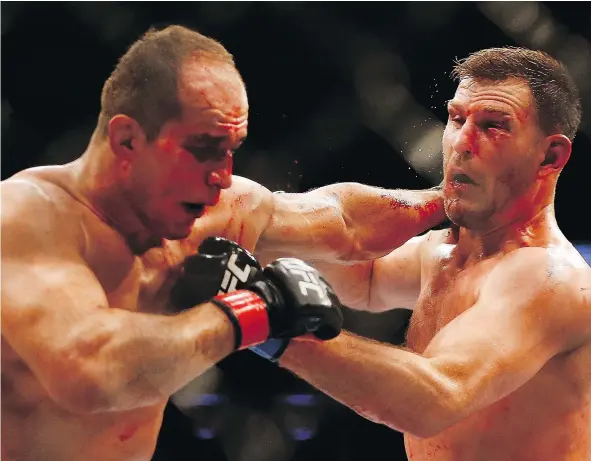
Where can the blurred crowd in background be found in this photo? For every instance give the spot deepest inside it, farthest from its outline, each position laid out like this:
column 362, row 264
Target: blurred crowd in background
column 338, row 92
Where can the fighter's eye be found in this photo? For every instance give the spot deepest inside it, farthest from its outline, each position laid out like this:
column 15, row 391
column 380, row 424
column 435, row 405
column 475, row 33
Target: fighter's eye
column 493, row 125
column 206, row 154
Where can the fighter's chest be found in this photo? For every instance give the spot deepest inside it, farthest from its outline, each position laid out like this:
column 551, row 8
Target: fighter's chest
column 137, row 283
column 143, row 283
column 447, row 292
column 148, row 284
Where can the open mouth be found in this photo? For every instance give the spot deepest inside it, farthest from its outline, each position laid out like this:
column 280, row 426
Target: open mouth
column 194, row 208
column 461, row 178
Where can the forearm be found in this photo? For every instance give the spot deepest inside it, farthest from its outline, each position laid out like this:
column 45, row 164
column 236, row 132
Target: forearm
column 388, row 222
column 134, row 359
column 385, row 384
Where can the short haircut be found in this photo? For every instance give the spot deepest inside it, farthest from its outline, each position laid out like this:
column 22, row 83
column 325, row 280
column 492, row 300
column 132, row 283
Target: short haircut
column 556, row 96
column 144, row 84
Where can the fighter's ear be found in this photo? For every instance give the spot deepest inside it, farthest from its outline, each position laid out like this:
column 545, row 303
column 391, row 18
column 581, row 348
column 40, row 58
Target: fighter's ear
column 557, row 149
column 125, row 135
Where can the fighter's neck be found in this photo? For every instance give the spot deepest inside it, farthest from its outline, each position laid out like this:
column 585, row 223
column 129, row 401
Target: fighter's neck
column 527, row 229
column 96, row 178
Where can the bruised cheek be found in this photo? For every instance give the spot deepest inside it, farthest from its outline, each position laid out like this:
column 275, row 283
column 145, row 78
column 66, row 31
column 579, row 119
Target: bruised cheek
column 169, row 168
column 447, row 147
column 186, row 172
column 507, row 185
column 167, row 150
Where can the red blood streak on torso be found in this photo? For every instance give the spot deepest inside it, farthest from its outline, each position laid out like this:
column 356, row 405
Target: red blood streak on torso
column 127, row 433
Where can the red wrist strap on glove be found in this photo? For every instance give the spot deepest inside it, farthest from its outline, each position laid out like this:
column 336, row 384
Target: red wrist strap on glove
column 248, row 312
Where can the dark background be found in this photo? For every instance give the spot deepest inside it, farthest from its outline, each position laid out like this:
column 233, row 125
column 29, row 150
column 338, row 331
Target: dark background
column 338, row 92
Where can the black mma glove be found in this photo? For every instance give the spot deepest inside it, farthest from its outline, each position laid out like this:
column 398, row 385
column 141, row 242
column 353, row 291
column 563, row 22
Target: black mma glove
column 287, row 299
column 220, row 266
column 271, row 307
column 290, row 269
column 299, row 300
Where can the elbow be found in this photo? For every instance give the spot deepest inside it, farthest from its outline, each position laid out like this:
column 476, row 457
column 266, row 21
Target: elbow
column 423, row 424
column 358, row 250
column 79, row 392
column 345, row 246
column 367, row 248
column 79, row 379
column 429, row 426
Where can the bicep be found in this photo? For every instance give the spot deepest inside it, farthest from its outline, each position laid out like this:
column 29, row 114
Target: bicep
column 349, row 221
column 485, row 354
column 44, row 305
column 516, row 326
column 307, row 225
column 47, row 288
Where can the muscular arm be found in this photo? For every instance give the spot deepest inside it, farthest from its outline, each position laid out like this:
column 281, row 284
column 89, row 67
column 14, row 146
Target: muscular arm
column 91, row 356
column 390, row 282
column 529, row 310
column 348, row 221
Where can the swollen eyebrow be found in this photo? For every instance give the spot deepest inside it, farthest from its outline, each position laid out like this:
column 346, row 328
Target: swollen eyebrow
column 495, row 111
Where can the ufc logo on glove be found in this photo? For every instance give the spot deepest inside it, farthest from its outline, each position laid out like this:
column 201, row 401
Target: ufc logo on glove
column 309, row 280
column 234, row 274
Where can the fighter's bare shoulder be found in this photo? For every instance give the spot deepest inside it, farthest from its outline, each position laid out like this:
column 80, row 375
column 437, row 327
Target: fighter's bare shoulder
column 551, row 283
column 553, row 264
column 37, row 207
